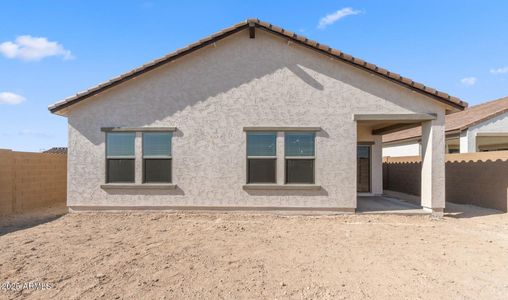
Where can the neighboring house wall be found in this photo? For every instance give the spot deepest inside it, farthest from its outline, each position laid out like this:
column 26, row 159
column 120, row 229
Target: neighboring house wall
column 210, row 95
column 464, row 142
column 468, row 139
column 31, row 180
column 497, row 124
column 411, row 148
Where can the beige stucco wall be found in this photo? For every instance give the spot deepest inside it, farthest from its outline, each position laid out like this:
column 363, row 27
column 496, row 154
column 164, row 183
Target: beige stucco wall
column 210, row 96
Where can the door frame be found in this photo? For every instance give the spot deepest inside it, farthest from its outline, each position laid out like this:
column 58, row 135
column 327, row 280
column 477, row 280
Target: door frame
column 369, row 146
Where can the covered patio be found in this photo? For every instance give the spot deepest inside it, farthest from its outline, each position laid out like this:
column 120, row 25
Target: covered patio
column 370, row 128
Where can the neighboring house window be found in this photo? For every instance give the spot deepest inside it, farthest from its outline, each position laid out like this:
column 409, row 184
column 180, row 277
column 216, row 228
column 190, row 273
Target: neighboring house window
column 120, row 157
column 299, row 153
column 157, row 157
column 261, row 157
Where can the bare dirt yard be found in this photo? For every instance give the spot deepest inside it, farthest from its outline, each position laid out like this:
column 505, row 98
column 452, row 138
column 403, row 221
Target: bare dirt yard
column 239, row 256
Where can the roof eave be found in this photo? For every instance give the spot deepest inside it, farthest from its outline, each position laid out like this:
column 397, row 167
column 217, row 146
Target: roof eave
column 481, row 120
column 146, row 68
column 373, row 70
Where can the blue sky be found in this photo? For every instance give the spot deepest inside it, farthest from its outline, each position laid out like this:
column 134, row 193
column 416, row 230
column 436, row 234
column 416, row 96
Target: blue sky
column 52, row 49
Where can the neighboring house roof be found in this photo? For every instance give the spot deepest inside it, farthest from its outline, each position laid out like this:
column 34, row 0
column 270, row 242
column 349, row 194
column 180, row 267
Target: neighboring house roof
column 57, row 150
column 457, row 121
column 251, row 25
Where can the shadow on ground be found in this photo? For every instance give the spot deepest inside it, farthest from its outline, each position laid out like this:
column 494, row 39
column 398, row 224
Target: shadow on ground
column 459, row 211
column 20, row 221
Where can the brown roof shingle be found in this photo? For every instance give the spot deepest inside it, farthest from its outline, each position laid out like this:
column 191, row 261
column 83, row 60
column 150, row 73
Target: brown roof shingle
column 57, row 150
column 324, row 49
column 457, row 121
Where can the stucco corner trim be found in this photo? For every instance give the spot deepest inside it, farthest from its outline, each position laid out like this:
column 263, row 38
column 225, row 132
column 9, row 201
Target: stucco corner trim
column 259, row 186
column 136, row 129
column 145, row 186
column 282, row 128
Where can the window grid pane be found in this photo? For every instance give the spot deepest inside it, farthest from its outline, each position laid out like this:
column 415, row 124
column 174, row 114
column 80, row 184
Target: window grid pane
column 120, row 170
column 157, row 170
column 120, row 144
column 300, row 171
column 261, row 143
column 261, row 171
column 299, row 144
column 157, row 144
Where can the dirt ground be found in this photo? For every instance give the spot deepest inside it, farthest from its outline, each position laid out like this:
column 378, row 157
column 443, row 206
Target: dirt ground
column 239, row 256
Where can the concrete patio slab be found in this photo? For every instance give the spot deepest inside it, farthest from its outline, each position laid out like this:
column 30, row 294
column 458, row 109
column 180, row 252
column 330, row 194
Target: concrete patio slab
column 387, row 205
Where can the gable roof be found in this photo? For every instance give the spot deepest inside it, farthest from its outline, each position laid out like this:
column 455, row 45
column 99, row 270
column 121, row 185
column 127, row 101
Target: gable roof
column 251, row 25
column 457, row 121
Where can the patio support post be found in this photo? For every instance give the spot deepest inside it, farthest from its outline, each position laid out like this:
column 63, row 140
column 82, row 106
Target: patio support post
column 377, row 166
column 433, row 165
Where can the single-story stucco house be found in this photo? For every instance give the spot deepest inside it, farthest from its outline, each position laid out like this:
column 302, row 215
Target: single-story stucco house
column 478, row 128
column 251, row 117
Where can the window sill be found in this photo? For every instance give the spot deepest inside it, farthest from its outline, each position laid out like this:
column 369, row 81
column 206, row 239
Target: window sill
column 268, row 186
column 145, row 186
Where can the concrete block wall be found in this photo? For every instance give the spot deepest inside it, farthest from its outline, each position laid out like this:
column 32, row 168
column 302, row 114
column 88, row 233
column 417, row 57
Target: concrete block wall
column 471, row 178
column 6, row 181
column 31, row 180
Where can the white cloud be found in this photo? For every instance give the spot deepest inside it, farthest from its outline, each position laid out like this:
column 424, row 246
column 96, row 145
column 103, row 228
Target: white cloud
column 30, row 48
column 503, row 70
column 334, row 17
column 469, row 81
column 10, row 98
